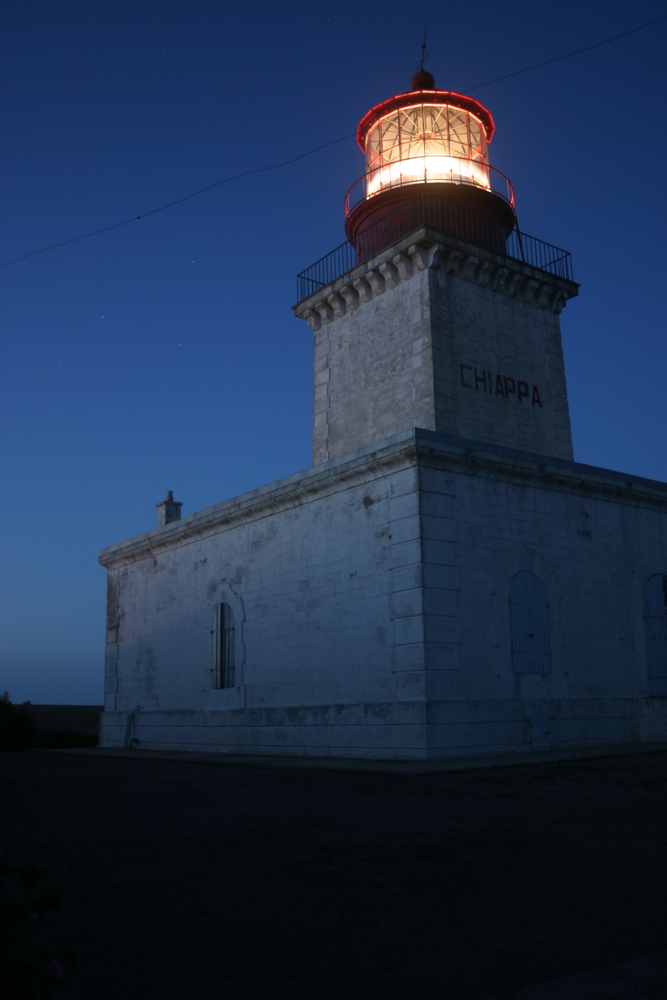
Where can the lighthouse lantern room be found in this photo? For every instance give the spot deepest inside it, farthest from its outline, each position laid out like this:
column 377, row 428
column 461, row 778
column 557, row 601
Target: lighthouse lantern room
column 431, row 143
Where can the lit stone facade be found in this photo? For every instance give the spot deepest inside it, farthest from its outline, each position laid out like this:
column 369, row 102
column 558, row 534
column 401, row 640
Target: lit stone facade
column 370, row 595
column 371, row 602
column 433, row 333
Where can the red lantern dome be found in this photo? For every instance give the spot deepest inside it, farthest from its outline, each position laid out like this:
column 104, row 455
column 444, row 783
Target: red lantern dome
column 428, row 144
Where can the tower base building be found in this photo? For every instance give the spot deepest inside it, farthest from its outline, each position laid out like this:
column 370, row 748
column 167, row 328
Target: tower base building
column 445, row 580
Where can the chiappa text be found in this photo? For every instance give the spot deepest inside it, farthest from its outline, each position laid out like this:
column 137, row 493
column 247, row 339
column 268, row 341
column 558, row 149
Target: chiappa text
column 499, row 385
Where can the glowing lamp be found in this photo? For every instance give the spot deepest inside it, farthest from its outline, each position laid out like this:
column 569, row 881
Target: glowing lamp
column 428, row 142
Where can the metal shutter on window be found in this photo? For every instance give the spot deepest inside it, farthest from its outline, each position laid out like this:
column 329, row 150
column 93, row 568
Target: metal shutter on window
column 215, row 651
column 227, row 646
column 530, row 626
column 222, row 635
column 655, row 623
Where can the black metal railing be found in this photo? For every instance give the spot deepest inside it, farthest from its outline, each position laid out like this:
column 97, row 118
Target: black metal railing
column 327, row 269
column 460, row 170
column 462, row 223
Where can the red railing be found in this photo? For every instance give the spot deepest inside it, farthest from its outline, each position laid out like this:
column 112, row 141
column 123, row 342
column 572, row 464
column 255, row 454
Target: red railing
column 497, row 182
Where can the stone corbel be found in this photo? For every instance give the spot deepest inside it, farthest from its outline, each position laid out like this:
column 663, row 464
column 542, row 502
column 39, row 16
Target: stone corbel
column 498, row 279
column 351, row 296
column 376, row 281
column 528, row 291
column 363, row 290
column 325, row 311
column 404, row 265
column 423, row 254
column 513, row 284
column 542, row 296
column 313, row 319
column 483, row 273
column 390, row 274
column 337, row 303
column 468, row 266
column 450, row 259
column 557, row 301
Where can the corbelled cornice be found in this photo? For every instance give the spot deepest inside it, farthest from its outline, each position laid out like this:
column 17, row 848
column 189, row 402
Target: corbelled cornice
column 341, row 474
column 411, row 449
column 426, row 250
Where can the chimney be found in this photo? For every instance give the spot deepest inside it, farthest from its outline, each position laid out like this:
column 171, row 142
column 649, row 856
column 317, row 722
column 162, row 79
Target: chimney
column 169, row 510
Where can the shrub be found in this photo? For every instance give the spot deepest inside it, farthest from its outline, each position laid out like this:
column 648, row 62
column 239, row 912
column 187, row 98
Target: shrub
column 69, row 739
column 17, row 730
column 31, row 965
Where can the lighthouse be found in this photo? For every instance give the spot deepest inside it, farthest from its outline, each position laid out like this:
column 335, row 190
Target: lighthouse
column 445, row 581
column 427, row 154
column 437, row 312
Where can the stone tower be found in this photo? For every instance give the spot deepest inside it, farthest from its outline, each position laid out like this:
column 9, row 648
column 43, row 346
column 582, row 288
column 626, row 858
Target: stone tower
column 446, row 581
column 447, row 317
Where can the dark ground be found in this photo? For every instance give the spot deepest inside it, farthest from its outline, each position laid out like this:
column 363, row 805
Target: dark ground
column 206, row 881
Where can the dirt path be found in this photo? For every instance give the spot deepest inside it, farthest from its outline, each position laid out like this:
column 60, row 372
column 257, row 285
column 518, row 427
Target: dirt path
column 194, row 881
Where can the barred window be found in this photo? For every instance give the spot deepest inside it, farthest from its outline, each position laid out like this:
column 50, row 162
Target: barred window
column 223, row 646
column 655, row 626
column 530, row 625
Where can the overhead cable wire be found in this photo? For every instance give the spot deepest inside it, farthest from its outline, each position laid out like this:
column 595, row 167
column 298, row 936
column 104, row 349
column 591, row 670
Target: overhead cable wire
column 568, row 55
column 309, row 152
column 178, row 201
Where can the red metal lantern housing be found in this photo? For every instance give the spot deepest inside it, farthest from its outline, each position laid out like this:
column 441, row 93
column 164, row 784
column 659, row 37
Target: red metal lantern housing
column 428, row 150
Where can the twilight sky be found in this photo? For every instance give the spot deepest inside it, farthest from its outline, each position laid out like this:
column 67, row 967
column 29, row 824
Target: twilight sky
column 164, row 355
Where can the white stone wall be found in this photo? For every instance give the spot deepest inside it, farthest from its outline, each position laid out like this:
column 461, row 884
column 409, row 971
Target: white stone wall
column 437, row 335
column 310, row 588
column 498, row 368
column 594, row 541
column 589, row 552
column 374, row 371
column 371, row 605
column 307, row 568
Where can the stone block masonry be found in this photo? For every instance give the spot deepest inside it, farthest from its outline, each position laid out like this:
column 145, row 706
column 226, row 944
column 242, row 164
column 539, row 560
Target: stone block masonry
column 371, row 606
column 446, row 580
column 437, row 334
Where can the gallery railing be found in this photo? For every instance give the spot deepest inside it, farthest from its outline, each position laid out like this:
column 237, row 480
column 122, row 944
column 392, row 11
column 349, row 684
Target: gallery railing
column 429, row 170
column 451, row 220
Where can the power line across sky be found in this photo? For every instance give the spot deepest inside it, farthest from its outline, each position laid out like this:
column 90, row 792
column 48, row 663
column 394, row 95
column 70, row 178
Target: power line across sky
column 310, row 152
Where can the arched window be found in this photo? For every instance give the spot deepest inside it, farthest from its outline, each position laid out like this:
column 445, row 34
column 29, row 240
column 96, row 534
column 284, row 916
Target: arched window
column 530, row 626
column 223, row 646
column 655, row 624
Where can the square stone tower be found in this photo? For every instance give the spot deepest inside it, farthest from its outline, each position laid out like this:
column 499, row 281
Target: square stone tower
column 436, row 333
column 441, row 314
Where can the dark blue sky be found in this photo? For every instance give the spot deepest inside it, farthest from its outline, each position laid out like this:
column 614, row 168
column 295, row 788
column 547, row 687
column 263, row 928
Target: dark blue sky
column 164, row 355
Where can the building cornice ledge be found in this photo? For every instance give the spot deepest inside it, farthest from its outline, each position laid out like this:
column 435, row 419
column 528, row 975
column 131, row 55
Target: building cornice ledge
column 518, row 468
column 415, row 448
column 354, row 469
column 426, row 249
